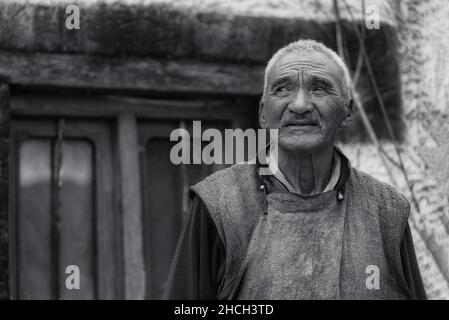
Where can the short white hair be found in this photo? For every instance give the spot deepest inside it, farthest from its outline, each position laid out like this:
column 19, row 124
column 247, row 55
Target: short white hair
column 307, row 45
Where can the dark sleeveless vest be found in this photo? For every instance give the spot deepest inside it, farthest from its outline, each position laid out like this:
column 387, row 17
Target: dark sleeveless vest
column 285, row 246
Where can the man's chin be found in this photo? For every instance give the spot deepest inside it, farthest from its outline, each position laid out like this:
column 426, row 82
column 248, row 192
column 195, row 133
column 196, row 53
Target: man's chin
column 301, row 144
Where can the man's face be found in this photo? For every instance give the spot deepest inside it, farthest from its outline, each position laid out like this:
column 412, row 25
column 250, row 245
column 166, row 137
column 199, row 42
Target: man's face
column 305, row 101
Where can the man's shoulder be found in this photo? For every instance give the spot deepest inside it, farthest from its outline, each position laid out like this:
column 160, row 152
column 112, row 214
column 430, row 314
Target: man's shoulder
column 235, row 179
column 232, row 190
column 228, row 175
column 377, row 189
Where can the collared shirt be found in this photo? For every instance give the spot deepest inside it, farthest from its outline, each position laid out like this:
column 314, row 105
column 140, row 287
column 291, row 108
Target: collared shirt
column 335, row 175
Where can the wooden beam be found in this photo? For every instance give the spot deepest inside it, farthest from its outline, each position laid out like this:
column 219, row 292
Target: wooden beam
column 72, row 105
column 136, row 74
column 131, row 208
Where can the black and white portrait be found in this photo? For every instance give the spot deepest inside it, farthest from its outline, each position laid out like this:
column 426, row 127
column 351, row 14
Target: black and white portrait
column 224, row 150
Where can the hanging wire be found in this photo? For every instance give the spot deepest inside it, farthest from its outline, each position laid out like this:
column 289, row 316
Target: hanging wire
column 358, row 68
column 356, row 98
column 382, row 106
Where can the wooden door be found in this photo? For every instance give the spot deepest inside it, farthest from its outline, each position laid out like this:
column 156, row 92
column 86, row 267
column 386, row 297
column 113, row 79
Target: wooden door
column 166, row 195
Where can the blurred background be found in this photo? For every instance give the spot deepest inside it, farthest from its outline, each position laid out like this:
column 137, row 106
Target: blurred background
column 86, row 115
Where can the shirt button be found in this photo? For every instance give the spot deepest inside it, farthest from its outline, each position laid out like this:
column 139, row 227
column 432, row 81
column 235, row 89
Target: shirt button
column 340, row 196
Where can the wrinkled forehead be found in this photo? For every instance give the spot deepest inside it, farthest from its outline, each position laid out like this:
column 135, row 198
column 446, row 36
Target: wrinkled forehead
column 307, row 63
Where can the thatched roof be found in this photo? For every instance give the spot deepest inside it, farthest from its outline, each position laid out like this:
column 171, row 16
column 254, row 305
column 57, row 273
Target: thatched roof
column 243, row 30
column 318, row 10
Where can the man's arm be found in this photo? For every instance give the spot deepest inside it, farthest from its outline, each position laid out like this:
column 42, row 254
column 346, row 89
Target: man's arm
column 198, row 264
column 410, row 267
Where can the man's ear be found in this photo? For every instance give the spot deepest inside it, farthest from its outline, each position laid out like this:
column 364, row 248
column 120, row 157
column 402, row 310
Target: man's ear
column 262, row 116
column 348, row 116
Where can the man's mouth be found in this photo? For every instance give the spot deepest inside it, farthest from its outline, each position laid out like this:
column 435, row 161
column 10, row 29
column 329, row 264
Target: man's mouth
column 300, row 123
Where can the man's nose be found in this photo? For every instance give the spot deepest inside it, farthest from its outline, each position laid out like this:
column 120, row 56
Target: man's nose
column 301, row 102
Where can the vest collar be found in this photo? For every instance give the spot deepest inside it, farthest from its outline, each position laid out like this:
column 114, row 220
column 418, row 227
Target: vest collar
column 341, row 177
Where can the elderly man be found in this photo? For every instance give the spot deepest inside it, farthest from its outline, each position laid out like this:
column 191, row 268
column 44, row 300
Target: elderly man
column 315, row 229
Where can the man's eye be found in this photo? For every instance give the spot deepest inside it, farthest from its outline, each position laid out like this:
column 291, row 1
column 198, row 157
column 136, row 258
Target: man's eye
column 319, row 88
column 282, row 89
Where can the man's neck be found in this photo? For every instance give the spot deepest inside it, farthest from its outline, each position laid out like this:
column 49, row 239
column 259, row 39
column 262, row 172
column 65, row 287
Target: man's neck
column 307, row 173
